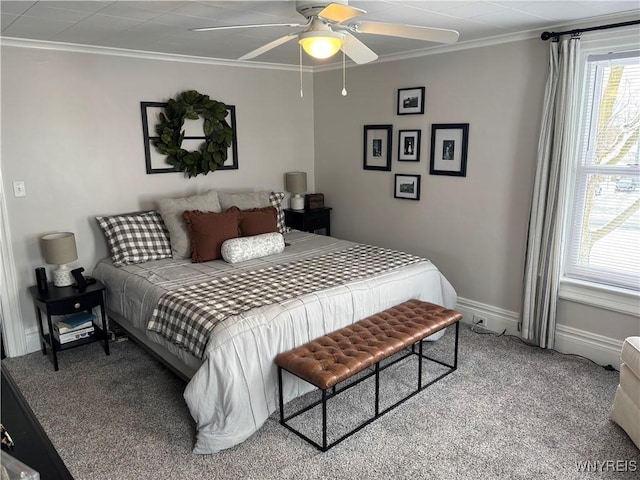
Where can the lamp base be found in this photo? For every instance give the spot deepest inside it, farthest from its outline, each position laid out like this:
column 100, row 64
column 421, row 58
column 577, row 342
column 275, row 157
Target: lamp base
column 296, row 202
column 62, row 276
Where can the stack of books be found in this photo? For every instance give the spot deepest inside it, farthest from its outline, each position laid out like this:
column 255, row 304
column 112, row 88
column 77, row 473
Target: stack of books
column 74, row 327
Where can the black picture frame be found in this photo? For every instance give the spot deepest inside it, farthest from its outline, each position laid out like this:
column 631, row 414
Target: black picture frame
column 406, row 186
column 377, row 147
column 449, row 144
column 411, row 101
column 155, row 161
column 409, row 145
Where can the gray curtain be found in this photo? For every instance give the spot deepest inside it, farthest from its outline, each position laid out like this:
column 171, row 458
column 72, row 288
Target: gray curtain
column 555, row 154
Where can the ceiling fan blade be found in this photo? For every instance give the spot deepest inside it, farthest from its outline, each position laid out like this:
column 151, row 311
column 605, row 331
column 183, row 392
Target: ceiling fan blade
column 268, row 46
column 336, row 12
column 429, row 34
column 356, row 50
column 231, row 27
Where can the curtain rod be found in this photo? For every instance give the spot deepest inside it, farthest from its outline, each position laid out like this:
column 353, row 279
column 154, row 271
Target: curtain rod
column 547, row 35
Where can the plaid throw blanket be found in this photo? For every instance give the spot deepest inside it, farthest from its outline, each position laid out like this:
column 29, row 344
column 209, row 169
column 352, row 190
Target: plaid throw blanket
column 187, row 316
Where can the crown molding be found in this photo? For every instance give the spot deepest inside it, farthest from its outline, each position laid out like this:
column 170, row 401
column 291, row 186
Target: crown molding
column 173, row 57
column 455, row 47
column 490, row 41
column 123, row 52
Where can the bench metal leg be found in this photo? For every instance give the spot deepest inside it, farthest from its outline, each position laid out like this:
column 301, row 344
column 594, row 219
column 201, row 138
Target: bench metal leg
column 420, row 356
column 377, row 389
column 280, row 398
column 455, row 354
column 324, row 420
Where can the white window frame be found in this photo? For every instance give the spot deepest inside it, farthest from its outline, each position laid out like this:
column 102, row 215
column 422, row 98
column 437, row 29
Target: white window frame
column 589, row 293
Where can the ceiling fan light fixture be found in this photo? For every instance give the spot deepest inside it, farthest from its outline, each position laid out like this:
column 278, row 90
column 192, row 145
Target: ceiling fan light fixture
column 321, row 44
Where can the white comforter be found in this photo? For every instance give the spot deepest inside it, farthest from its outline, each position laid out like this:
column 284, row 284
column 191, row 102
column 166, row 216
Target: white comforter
column 235, row 390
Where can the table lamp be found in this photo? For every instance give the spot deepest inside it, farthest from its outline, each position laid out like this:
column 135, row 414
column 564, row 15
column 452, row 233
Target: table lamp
column 296, row 183
column 60, row 249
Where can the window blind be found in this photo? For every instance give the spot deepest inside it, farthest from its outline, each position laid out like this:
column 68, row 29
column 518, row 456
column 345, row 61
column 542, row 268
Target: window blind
column 604, row 233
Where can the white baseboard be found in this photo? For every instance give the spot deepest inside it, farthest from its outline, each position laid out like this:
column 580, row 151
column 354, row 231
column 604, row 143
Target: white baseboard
column 602, row 350
column 498, row 319
column 32, row 337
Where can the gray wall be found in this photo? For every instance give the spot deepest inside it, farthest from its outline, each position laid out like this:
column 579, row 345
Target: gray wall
column 72, row 130
column 474, row 229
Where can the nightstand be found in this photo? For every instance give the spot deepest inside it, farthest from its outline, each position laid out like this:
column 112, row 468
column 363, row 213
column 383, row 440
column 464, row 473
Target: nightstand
column 65, row 301
column 309, row 220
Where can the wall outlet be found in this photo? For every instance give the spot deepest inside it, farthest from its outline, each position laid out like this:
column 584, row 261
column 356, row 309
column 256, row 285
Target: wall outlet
column 480, row 321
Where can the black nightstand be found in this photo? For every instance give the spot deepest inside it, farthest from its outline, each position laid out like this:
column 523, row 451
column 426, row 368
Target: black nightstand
column 309, row 220
column 64, row 301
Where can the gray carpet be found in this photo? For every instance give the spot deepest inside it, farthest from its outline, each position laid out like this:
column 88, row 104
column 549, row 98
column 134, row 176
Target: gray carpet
column 509, row 412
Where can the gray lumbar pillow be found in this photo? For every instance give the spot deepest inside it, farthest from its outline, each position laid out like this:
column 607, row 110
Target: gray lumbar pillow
column 172, row 209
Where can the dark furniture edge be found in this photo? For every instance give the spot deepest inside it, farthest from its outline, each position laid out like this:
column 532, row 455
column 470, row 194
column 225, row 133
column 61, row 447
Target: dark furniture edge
column 61, row 469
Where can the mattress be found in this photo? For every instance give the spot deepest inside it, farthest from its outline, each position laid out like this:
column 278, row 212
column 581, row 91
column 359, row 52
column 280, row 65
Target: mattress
column 234, row 388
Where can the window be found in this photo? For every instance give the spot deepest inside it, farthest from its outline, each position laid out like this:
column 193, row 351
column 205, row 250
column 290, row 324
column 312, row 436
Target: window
column 604, row 236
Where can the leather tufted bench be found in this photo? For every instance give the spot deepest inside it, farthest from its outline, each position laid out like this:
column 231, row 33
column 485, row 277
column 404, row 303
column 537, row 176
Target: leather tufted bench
column 338, row 356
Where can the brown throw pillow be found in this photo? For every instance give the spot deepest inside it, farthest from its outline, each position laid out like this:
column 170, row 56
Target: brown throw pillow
column 256, row 221
column 207, row 231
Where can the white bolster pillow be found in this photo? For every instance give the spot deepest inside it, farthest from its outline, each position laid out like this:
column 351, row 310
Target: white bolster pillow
column 236, row 250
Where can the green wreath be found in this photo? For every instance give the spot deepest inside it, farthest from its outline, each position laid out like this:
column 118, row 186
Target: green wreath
column 212, row 153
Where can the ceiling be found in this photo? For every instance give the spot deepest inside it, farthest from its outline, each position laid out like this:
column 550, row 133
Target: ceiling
column 163, row 26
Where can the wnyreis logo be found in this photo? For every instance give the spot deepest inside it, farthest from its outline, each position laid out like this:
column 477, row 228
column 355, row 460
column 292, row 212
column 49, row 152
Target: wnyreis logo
column 601, row 466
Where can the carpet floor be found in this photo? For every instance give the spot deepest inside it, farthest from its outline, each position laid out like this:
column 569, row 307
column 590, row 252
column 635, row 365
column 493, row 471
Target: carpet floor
column 509, row 412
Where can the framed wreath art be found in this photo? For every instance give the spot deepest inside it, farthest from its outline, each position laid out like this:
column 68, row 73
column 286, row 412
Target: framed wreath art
column 191, row 119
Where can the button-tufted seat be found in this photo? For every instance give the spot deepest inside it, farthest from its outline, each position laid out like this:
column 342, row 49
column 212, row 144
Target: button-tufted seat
column 337, row 356
column 328, row 360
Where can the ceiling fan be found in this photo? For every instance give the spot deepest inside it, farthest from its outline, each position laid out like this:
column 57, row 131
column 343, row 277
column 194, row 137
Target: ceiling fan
column 330, row 28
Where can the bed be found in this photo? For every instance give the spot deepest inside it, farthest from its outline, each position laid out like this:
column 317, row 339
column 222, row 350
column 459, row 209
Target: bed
column 232, row 384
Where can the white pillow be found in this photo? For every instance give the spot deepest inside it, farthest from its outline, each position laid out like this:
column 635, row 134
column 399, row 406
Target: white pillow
column 236, row 250
column 243, row 200
column 172, row 209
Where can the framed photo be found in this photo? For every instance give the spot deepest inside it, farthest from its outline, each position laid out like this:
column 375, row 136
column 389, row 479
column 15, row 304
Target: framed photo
column 377, row 147
column 193, row 137
column 407, row 187
column 449, row 149
column 411, row 101
column 409, row 145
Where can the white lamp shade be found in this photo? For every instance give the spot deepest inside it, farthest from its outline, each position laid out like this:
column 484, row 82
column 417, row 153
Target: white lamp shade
column 296, row 182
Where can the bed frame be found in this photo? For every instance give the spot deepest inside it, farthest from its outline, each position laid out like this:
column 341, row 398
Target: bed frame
column 164, row 356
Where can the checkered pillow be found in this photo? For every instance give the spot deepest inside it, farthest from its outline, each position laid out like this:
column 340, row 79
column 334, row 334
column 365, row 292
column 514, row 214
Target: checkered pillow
column 136, row 237
column 276, row 200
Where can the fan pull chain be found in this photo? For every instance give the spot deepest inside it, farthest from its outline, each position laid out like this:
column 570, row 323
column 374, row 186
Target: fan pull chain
column 301, row 94
column 344, row 81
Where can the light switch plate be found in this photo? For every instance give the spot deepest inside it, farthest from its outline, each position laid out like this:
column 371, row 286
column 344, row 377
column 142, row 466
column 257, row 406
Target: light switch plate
column 19, row 189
